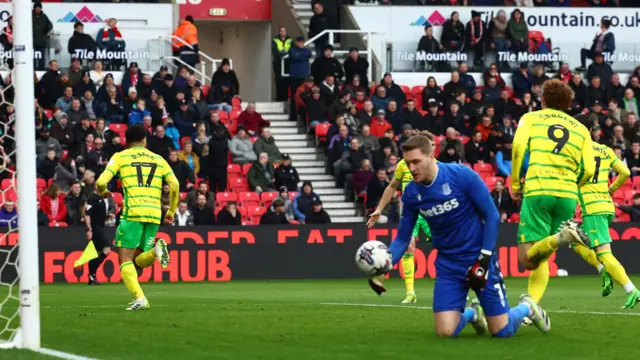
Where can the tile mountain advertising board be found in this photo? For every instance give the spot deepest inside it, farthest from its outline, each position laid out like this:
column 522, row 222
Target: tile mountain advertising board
column 570, row 29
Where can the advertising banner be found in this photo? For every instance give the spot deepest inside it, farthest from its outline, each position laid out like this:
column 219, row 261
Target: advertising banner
column 239, row 10
column 275, row 252
column 569, row 29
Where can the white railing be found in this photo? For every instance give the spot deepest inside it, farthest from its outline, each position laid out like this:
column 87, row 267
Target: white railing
column 208, row 60
column 366, row 36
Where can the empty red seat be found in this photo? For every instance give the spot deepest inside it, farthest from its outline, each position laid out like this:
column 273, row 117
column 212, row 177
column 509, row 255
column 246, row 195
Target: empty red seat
column 183, row 195
column 224, row 117
column 239, row 185
column 205, row 91
column 117, row 197
column 119, row 128
column 7, row 183
column 248, row 199
column 267, row 198
column 491, row 181
column 483, row 169
column 406, row 90
column 222, row 198
column 58, row 224
column 628, row 185
column 41, row 184
column 245, row 169
column 234, row 171
column 292, row 195
column 254, row 213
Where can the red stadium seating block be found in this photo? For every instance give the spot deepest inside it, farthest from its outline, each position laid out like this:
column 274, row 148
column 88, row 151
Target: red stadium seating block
column 117, row 197
column 222, row 115
column 490, row 181
column 292, row 195
column 245, row 169
column 248, row 199
column 267, row 198
column 58, row 224
column 235, row 114
column 483, row 169
column 240, row 185
column 628, row 185
column 41, row 184
column 234, row 171
column 222, row 198
column 254, row 213
column 183, row 195
column 118, row 127
column 205, row 91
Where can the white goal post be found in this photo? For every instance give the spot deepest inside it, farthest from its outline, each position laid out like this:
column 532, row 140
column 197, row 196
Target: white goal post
column 24, row 310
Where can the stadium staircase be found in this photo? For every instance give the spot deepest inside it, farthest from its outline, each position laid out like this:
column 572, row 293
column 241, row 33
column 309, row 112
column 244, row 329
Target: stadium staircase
column 293, row 140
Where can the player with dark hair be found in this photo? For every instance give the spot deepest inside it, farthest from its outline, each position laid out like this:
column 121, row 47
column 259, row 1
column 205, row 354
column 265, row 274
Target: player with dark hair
column 561, row 156
column 141, row 172
column 464, row 226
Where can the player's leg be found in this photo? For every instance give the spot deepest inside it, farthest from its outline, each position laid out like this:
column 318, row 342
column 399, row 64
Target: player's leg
column 128, row 237
column 408, row 269
column 590, row 235
column 152, row 250
column 449, row 298
column 502, row 321
column 103, row 250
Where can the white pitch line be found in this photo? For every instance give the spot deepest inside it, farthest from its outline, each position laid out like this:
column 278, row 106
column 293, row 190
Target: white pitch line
column 61, row 354
column 430, row 308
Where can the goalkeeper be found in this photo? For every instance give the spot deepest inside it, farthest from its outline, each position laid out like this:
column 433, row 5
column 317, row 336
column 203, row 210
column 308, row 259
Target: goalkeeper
column 464, row 223
column 403, row 176
column 141, row 172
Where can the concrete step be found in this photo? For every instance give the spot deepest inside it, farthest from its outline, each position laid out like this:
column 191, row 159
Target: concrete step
column 305, row 22
column 333, row 198
column 289, row 137
column 302, row 5
column 335, row 213
column 285, row 130
column 292, row 144
column 305, row 13
column 282, row 124
column 270, row 107
column 304, row 150
column 297, row 158
column 336, row 205
column 307, row 163
column 278, row 117
column 310, row 170
column 323, row 184
column 348, row 219
column 329, row 191
column 316, row 177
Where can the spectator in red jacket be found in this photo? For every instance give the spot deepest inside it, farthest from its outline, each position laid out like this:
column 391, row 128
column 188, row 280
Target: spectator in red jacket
column 380, row 125
column 52, row 203
column 252, row 121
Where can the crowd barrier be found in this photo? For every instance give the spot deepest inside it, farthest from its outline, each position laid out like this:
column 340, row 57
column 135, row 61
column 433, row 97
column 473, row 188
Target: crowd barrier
column 275, row 252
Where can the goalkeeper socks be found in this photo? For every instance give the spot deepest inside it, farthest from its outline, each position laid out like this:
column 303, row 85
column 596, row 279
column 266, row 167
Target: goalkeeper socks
column 130, row 279
column 516, row 315
column 588, row 255
column 538, row 280
column 616, row 270
column 465, row 317
column 95, row 263
column 408, row 267
column 146, row 258
column 543, row 249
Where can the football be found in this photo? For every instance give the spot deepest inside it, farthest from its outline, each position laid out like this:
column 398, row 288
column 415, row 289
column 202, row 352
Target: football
column 374, row 258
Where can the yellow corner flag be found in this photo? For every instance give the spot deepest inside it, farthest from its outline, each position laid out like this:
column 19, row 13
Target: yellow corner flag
column 88, row 254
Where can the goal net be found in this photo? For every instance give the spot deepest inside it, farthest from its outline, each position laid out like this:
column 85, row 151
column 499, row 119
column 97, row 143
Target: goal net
column 19, row 260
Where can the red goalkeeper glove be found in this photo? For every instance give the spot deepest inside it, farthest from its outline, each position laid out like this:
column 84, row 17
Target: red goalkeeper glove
column 478, row 273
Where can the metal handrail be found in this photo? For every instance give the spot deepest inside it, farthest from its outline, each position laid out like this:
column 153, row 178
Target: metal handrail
column 203, row 76
column 332, row 42
column 202, row 73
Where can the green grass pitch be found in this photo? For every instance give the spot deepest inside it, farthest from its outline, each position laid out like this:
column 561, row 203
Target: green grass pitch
column 300, row 320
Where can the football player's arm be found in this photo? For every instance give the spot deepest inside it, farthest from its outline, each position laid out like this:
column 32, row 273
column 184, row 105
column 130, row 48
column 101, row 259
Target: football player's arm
column 623, row 174
column 479, row 195
column 405, row 230
column 174, row 190
column 109, row 172
column 518, row 153
column 588, row 161
column 388, row 193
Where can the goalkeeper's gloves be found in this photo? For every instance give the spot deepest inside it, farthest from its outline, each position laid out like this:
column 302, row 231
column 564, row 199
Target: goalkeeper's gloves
column 478, row 273
column 376, row 285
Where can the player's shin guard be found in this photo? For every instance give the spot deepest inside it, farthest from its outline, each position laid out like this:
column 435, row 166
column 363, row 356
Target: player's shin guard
column 95, row 263
column 408, row 268
column 538, row 280
column 543, row 249
column 516, row 315
column 146, row 258
column 130, row 279
column 465, row 318
column 616, row 270
column 588, row 255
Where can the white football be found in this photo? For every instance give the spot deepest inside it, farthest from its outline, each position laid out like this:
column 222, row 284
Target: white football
column 374, row 258
column 562, row 272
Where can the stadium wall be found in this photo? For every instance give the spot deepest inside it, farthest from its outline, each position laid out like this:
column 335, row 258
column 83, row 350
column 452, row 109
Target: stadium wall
column 273, row 252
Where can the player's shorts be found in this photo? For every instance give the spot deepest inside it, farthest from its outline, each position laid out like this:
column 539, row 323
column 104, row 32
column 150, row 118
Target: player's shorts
column 99, row 238
column 597, row 229
column 136, row 235
column 541, row 215
column 450, row 290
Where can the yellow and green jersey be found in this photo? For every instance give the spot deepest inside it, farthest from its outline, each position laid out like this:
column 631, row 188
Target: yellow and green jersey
column 402, row 174
column 560, row 154
column 594, row 195
column 141, row 173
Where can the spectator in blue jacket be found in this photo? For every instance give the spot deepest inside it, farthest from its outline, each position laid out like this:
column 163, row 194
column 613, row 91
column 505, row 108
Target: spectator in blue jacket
column 491, row 92
column 137, row 114
column 9, row 215
column 467, row 81
column 503, row 157
column 171, row 131
column 380, row 100
column 302, row 203
column 185, row 119
column 299, row 69
column 522, row 80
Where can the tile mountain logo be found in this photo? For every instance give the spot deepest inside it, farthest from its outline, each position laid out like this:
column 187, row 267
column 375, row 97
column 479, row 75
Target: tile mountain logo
column 84, row 15
column 435, row 19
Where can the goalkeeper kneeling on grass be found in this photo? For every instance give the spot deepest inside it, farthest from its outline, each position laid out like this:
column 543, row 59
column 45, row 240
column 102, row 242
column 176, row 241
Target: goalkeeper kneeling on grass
column 464, row 227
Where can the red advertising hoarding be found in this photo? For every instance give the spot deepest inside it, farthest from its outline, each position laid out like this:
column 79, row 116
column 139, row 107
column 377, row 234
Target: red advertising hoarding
column 238, row 10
